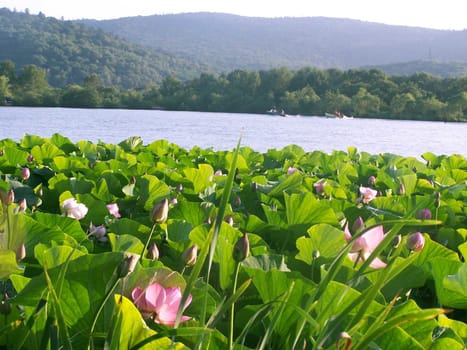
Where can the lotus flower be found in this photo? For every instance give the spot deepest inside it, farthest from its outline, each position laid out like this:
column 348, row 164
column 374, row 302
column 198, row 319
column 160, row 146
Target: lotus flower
column 73, row 209
column 160, row 304
column 364, row 245
column 113, row 210
column 367, row 194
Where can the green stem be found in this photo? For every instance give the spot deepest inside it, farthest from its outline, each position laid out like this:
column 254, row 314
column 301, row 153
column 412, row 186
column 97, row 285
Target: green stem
column 148, row 240
column 101, row 307
column 232, row 308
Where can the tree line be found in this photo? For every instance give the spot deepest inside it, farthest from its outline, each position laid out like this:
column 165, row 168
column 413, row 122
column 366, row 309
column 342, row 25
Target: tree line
column 307, row 91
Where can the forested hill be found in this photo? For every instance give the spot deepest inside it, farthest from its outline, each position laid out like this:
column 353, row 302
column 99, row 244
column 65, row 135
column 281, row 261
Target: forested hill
column 233, row 42
column 70, row 52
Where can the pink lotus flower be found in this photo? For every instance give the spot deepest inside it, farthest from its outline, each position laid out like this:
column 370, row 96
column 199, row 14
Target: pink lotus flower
column 160, row 304
column 73, row 209
column 367, row 194
column 113, row 210
column 364, row 245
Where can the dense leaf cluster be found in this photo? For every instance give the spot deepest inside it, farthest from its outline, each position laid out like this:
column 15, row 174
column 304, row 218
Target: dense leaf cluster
column 363, row 93
column 70, row 51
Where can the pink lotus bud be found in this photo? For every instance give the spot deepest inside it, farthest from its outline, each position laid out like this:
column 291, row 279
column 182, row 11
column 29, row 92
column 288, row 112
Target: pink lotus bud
column 218, row 173
column 237, row 201
column 415, row 242
column 241, row 248
column 30, row 158
column 424, row 214
column 160, row 211
column 371, row 180
column 23, row 205
column 319, row 188
column 229, row 219
column 291, row 170
column 190, row 255
column 358, row 225
column 113, row 210
column 179, row 188
column 25, row 173
column 21, row 253
column 7, row 197
column 153, row 252
column 401, row 189
column 174, row 201
column 128, row 265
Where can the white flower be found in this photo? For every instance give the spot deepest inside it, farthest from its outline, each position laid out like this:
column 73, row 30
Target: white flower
column 73, row 209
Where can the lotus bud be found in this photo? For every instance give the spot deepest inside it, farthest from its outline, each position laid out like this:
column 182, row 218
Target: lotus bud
column 254, row 186
column 174, row 201
column 21, row 252
column 358, row 225
column 160, row 211
column 153, row 252
column 437, row 199
column 415, row 242
column 291, row 170
column 218, row 173
column 5, row 307
column 23, row 205
column 128, row 265
column 25, row 173
column 179, row 188
column 237, row 201
column 30, row 158
column 190, row 255
column 424, row 214
column 319, row 188
column 371, row 180
column 401, row 189
column 229, row 219
column 315, row 254
column 241, row 248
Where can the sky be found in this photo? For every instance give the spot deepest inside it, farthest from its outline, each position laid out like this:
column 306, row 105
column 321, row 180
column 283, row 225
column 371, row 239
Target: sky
column 445, row 14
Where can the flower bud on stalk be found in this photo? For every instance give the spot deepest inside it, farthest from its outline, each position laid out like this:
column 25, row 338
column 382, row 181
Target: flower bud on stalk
column 25, row 173
column 415, row 242
column 30, row 158
column 241, row 248
column 401, row 189
column 160, row 212
column 153, row 252
column 358, row 225
column 128, row 265
column 424, row 214
column 21, row 253
column 371, row 180
column 438, row 200
column 229, row 219
column 7, row 198
column 190, row 255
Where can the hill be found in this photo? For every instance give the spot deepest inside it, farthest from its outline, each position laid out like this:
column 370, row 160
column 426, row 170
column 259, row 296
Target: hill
column 229, row 42
column 71, row 51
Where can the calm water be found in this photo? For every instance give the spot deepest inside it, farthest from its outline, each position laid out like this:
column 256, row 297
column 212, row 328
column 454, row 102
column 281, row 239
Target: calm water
column 222, row 130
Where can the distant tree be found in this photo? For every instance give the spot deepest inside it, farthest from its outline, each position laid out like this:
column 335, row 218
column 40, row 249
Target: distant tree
column 365, row 104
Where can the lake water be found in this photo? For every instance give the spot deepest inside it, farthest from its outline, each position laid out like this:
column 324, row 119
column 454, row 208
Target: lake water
column 221, row 131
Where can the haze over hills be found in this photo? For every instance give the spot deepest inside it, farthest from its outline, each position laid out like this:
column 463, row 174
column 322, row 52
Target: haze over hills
column 229, row 42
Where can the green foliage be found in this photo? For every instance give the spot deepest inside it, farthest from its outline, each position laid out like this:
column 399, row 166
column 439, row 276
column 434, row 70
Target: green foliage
column 304, row 284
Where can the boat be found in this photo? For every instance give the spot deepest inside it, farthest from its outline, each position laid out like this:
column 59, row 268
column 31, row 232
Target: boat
column 274, row 111
column 337, row 115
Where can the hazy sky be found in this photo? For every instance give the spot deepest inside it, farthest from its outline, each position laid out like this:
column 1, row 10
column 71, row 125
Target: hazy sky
column 445, row 14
